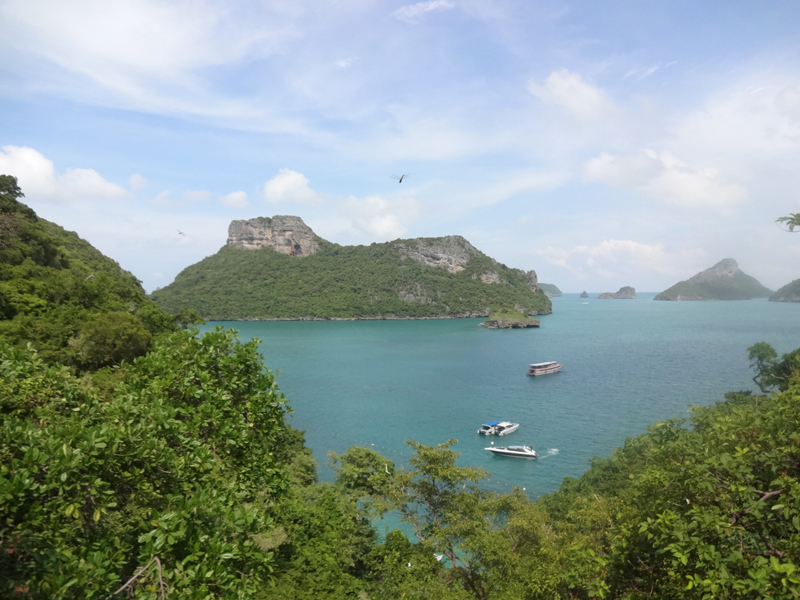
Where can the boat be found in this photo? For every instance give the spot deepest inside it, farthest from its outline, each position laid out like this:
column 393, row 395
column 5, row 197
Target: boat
column 544, row 368
column 515, row 451
column 498, row 428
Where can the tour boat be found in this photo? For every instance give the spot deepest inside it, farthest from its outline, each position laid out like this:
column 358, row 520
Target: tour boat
column 515, row 451
column 498, row 428
column 543, row 368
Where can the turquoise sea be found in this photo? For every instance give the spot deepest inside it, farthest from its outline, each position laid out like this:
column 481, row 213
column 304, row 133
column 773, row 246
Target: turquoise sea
column 628, row 364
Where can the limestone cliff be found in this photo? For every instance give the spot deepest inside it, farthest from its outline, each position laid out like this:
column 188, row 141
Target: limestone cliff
column 282, row 233
column 723, row 281
column 624, row 293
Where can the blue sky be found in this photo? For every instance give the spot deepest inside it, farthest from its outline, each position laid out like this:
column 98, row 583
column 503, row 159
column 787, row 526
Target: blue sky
column 600, row 143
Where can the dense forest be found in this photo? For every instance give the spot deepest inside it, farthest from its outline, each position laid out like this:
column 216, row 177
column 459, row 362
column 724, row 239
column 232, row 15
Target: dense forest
column 170, row 472
column 343, row 282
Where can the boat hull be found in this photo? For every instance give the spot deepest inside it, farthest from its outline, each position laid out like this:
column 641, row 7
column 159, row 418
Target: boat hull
column 536, row 371
column 513, row 453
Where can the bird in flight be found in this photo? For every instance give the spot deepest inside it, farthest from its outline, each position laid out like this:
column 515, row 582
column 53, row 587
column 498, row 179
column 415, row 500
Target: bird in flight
column 400, row 177
column 180, row 232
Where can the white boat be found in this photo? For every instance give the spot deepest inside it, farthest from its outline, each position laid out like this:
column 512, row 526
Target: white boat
column 498, row 428
column 515, row 451
column 544, row 368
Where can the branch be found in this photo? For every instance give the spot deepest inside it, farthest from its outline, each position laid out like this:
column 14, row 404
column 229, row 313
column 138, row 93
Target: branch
column 767, row 495
column 128, row 585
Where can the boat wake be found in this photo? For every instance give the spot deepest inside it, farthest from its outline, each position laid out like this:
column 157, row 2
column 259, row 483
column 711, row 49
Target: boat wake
column 551, row 452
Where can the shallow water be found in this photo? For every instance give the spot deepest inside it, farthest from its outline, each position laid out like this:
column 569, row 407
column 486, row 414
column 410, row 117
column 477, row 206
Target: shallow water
column 628, row 363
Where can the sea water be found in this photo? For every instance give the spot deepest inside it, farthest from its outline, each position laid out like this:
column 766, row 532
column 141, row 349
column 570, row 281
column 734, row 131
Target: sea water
column 627, row 364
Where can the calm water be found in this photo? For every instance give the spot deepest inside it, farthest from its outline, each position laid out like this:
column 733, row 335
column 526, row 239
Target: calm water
column 628, row 363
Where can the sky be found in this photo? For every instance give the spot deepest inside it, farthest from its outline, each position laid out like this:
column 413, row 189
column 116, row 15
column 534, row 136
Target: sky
column 602, row 144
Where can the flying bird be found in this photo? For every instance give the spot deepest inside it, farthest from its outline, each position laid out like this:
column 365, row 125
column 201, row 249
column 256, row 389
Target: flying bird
column 400, row 177
column 180, row 232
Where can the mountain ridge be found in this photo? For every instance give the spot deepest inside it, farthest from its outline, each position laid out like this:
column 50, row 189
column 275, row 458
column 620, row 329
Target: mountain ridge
column 723, row 281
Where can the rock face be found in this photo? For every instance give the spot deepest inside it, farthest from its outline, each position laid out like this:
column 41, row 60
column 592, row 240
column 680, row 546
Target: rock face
column 624, row 293
column 788, row 293
column 584, row 295
column 284, row 234
column 723, row 281
column 452, row 253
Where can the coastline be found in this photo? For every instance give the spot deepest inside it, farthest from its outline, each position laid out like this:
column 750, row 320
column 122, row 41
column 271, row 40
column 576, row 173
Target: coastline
column 474, row 315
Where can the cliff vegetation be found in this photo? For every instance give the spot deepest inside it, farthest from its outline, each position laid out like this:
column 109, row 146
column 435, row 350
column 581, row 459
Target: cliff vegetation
column 379, row 280
column 723, row 281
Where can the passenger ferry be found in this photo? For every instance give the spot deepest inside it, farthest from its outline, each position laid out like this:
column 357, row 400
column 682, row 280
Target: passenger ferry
column 544, row 368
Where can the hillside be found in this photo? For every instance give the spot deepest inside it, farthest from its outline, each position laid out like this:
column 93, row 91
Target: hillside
column 75, row 305
column 723, row 281
column 550, row 290
column 788, row 293
column 278, row 268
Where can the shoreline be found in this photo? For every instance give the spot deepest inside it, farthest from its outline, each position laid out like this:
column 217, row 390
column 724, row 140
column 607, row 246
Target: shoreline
column 380, row 318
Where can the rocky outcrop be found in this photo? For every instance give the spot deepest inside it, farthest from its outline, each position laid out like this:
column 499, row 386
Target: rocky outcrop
column 788, row 293
column 451, row 252
column 584, row 295
column 284, row 234
column 508, row 319
column 624, row 293
column 723, row 281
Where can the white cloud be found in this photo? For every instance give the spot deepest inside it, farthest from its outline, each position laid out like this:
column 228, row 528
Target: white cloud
column 196, row 195
column 344, row 63
column 666, row 178
column 569, row 91
column 136, row 182
column 622, row 261
column 411, row 13
column 289, row 186
column 38, row 178
column 235, row 199
column 380, row 218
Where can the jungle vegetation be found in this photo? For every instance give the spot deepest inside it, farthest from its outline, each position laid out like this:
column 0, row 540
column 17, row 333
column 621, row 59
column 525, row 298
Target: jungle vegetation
column 173, row 474
column 342, row 282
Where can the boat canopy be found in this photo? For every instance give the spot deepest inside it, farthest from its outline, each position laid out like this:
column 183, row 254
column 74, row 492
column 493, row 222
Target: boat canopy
column 543, row 364
column 492, row 423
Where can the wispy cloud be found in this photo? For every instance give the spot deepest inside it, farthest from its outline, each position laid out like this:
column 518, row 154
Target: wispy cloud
column 569, row 91
column 290, row 186
column 412, row 13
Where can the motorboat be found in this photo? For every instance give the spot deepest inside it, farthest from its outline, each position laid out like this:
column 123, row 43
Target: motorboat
column 544, row 368
column 514, row 451
column 498, row 428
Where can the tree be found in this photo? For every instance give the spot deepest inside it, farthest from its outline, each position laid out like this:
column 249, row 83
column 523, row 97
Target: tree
column 762, row 358
column 791, row 221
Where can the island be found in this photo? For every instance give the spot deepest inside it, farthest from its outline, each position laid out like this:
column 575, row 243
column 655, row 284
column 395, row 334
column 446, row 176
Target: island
column 550, row 290
column 788, row 293
column 508, row 319
column 584, row 294
column 624, row 293
column 723, row 281
column 277, row 268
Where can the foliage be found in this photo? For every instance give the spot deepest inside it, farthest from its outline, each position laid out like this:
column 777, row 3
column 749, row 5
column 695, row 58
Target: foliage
column 510, row 315
column 791, row 221
column 341, row 282
column 56, row 292
column 771, row 372
column 178, row 462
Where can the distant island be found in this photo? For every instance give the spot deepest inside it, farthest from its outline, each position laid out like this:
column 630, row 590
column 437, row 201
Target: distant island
column 550, row 290
column 624, row 293
column 723, row 281
column 584, row 294
column 278, row 268
column 788, row 293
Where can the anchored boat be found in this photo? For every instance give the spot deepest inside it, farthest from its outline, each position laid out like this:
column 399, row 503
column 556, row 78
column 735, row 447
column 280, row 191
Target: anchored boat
column 498, row 428
column 544, row 368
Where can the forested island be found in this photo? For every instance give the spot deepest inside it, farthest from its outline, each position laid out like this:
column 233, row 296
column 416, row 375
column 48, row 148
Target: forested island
column 723, row 281
column 277, row 268
column 140, row 458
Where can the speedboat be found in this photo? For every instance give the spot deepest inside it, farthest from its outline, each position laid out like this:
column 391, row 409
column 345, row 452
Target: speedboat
column 515, row 451
column 498, row 428
column 544, row 368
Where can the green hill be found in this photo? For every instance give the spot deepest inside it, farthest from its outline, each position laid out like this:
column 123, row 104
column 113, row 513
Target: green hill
column 75, row 305
column 550, row 290
column 296, row 275
column 788, row 293
column 723, row 281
